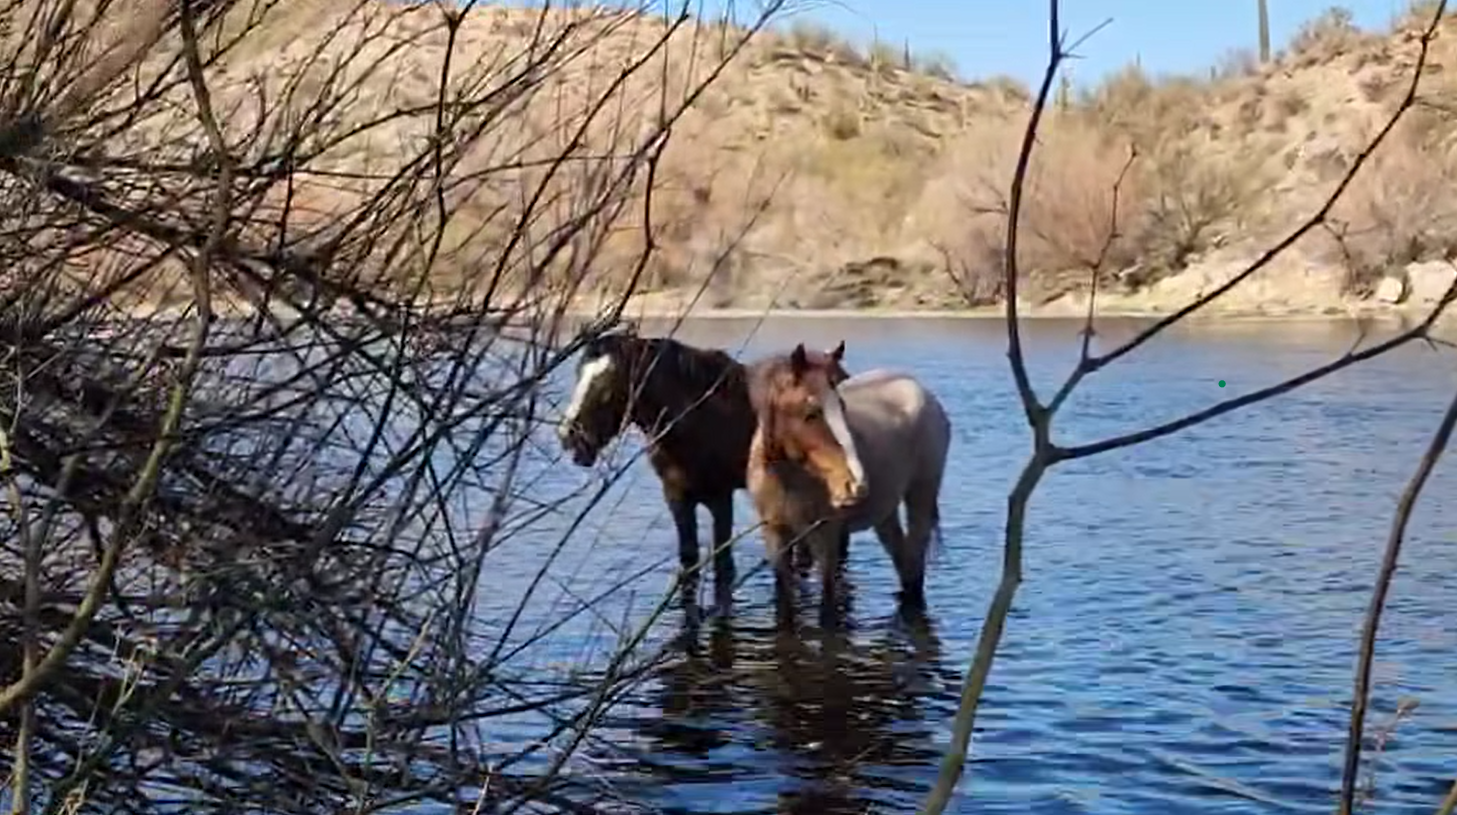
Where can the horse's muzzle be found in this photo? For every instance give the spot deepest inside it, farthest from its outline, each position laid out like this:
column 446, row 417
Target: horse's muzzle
column 851, row 494
column 584, row 453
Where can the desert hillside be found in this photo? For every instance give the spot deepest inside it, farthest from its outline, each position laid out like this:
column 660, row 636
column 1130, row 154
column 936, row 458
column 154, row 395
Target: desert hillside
column 811, row 173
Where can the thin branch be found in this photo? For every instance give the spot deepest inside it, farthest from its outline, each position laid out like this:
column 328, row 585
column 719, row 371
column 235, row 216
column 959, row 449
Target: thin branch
column 1085, row 346
column 1046, row 454
column 1031, row 407
column 1420, row 331
column 1361, row 694
column 1449, row 804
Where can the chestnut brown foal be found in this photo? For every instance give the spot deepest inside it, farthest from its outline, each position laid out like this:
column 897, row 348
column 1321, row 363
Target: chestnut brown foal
column 832, row 457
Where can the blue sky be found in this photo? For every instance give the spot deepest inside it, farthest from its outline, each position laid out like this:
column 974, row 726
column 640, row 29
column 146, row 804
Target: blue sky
column 987, row 37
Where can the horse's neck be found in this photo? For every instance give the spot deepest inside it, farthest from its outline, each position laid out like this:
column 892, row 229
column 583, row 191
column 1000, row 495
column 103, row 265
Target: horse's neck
column 769, row 458
column 785, row 491
column 660, row 410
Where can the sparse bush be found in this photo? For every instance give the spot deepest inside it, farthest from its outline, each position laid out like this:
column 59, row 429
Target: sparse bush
column 842, row 122
column 1235, row 64
column 820, row 40
column 1326, row 36
column 1418, row 14
column 1009, row 88
column 1068, row 204
column 812, row 36
column 884, row 57
column 1374, row 86
column 1399, row 209
column 1189, row 197
column 938, row 64
column 1290, row 103
column 1130, row 102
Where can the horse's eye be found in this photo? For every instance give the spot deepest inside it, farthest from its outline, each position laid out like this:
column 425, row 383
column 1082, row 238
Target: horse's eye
column 813, row 411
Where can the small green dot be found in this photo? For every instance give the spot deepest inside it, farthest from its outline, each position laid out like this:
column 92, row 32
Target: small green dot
column 1221, row 383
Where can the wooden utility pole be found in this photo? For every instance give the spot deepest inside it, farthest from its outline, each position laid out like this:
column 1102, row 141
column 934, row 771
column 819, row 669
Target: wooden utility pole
column 1264, row 31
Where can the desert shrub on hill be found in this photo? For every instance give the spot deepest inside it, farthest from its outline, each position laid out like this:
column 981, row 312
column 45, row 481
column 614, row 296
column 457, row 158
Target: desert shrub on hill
column 1400, row 208
column 822, row 41
column 1068, row 202
column 1330, row 34
column 936, row 64
column 1096, row 198
column 1221, row 163
column 862, row 146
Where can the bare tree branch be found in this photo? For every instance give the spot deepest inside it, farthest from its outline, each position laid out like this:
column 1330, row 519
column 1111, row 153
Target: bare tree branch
column 278, row 348
column 1046, row 453
column 1361, row 693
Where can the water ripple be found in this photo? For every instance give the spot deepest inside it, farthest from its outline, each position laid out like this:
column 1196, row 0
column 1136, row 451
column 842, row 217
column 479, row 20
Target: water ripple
column 1184, row 637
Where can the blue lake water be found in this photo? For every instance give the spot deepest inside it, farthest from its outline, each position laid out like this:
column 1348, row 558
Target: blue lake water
column 1184, row 638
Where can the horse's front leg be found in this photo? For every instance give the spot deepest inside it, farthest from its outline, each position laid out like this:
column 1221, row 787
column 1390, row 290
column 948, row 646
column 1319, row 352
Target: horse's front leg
column 686, row 522
column 722, row 509
column 826, row 545
column 777, row 540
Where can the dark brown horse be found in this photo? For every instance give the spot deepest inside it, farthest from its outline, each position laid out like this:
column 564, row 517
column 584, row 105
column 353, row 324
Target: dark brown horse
column 832, row 455
column 693, row 406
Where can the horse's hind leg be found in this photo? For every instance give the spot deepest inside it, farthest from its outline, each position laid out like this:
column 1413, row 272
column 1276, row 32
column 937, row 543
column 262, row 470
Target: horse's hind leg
column 922, row 520
column 804, row 555
column 804, row 558
column 722, row 509
column 898, row 546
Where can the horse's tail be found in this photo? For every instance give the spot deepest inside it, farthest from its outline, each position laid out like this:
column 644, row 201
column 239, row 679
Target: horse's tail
column 935, row 543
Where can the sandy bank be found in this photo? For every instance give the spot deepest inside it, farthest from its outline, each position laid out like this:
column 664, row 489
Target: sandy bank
column 1303, row 295
column 1290, row 291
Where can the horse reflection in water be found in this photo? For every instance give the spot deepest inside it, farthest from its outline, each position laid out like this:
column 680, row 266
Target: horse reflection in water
column 843, row 713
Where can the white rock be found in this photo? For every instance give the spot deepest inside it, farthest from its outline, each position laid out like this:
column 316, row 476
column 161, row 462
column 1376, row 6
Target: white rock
column 1393, row 289
column 1428, row 281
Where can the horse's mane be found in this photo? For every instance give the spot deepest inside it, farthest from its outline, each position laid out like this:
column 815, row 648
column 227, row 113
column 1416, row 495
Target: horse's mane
column 760, row 376
column 699, row 368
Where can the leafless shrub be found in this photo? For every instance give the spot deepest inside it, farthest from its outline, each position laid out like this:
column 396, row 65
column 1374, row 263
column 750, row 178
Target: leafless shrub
column 1047, row 452
column 1400, row 211
column 1331, row 33
column 1188, row 199
column 276, row 352
column 1067, row 208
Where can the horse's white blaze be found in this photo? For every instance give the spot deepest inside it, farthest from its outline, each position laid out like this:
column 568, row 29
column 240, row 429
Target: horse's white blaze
column 840, row 429
column 592, row 370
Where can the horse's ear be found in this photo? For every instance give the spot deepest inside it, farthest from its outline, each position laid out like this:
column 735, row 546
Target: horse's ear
column 838, row 353
column 798, row 361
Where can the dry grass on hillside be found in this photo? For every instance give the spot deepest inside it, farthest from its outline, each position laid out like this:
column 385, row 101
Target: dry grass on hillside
column 1222, row 166
column 1223, row 163
column 819, row 173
